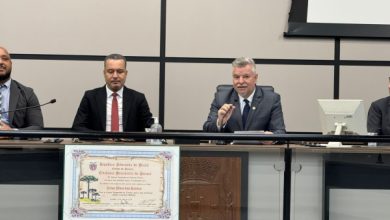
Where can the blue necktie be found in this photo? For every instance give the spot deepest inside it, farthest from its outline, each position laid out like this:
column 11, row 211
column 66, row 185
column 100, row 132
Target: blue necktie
column 245, row 112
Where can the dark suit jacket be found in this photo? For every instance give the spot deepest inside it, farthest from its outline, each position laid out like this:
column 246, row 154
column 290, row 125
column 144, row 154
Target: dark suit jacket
column 378, row 119
column 22, row 97
column 91, row 115
column 267, row 115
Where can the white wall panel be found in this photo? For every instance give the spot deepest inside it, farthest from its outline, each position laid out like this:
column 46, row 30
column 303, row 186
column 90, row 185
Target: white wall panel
column 189, row 92
column 233, row 28
column 92, row 27
column 364, row 82
column 33, row 202
column 299, row 87
column 365, row 50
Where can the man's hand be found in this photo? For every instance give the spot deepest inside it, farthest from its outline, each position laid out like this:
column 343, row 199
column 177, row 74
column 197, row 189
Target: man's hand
column 268, row 142
column 224, row 113
column 4, row 126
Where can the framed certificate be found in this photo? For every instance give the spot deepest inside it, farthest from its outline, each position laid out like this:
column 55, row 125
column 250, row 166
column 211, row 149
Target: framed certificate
column 121, row 182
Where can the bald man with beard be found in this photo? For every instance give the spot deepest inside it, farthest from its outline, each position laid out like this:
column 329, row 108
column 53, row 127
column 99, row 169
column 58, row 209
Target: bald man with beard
column 14, row 95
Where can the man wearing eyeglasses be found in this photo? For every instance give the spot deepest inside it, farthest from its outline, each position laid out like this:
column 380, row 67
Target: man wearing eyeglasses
column 113, row 107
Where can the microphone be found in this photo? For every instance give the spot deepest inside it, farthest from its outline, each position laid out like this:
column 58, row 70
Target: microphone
column 28, row 107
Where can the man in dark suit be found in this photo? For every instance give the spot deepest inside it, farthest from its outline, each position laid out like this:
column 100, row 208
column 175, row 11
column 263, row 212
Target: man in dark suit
column 113, row 107
column 245, row 106
column 378, row 119
column 15, row 98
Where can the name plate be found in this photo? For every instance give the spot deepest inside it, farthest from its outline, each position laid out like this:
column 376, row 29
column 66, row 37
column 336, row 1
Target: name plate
column 115, row 182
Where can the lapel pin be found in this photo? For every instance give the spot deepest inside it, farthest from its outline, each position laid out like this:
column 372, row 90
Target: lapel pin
column 254, row 108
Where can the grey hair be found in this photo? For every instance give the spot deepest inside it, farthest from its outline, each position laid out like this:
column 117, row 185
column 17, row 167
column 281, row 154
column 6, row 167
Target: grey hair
column 243, row 61
column 114, row 56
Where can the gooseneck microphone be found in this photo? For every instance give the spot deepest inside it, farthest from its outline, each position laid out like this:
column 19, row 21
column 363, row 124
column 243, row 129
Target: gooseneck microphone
column 28, row 107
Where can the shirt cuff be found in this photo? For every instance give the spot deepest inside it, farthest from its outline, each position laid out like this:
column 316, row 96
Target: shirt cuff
column 219, row 127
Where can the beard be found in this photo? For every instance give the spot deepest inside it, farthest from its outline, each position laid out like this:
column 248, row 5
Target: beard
column 6, row 76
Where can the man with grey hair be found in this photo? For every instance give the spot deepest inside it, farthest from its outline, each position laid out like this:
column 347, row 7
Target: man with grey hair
column 245, row 106
column 113, row 107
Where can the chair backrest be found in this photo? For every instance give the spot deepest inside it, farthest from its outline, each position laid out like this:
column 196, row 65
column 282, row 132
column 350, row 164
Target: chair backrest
column 228, row 87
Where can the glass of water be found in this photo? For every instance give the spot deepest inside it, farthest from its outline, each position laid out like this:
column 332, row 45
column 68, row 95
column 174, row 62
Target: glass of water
column 148, row 130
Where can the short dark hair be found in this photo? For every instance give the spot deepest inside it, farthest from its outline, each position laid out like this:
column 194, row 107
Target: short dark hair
column 114, row 56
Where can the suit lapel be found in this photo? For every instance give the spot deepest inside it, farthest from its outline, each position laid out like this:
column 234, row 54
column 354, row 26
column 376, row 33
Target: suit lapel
column 101, row 100
column 126, row 106
column 13, row 99
column 387, row 118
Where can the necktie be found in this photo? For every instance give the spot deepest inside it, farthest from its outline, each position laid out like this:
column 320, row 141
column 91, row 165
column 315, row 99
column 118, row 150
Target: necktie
column 1, row 101
column 114, row 113
column 245, row 112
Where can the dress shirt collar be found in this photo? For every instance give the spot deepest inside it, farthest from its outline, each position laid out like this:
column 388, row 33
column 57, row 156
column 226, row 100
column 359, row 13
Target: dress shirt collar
column 7, row 84
column 109, row 92
column 250, row 98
